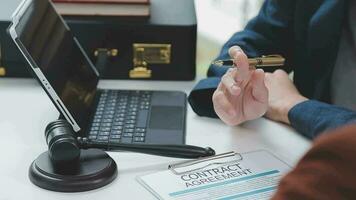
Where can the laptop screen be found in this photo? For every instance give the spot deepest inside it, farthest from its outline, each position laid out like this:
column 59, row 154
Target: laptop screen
column 49, row 42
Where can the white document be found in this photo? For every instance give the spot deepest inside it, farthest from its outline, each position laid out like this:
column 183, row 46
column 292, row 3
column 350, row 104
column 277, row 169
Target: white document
column 255, row 176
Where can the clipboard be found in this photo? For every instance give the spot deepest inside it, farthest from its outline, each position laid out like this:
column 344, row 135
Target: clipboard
column 230, row 175
column 221, row 159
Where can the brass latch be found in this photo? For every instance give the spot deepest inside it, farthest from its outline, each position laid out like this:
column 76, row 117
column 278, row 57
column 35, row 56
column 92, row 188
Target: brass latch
column 110, row 52
column 2, row 71
column 144, row 54
column 102, row 58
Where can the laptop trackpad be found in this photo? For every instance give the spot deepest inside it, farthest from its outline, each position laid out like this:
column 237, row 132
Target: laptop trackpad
column 166, row 117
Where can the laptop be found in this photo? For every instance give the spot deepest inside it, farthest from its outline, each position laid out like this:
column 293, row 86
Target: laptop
column 70, row 80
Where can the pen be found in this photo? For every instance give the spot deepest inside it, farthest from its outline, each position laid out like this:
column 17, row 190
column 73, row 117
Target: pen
column 264, row 61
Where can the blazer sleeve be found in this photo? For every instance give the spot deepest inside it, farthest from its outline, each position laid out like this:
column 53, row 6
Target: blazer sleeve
column 312, row 118
column 327, row 171
column 268, row 33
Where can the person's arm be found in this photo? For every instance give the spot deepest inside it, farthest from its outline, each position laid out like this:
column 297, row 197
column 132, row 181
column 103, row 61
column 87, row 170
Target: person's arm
column 311, row 118
column 308, row 117
column 327, row 171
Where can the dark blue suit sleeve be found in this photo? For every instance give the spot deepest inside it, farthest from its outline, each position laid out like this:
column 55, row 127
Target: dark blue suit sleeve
column 268, row 33
column 311, row 118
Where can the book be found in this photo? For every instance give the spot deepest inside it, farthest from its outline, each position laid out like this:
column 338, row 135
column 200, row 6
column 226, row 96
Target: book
column 125, row 8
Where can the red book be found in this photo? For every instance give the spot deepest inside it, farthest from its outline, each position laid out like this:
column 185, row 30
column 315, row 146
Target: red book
column 127, row 8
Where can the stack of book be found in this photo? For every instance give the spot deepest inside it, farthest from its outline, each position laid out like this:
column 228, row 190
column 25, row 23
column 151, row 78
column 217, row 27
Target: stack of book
column 124, row 8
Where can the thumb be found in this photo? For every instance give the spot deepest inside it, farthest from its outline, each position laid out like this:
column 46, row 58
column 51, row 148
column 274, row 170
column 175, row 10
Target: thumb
column 259, row 89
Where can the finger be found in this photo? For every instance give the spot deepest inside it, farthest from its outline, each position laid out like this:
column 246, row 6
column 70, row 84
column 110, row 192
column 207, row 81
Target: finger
column 268, row 77
column 259, row 89
column 222, row 105
column 230, row 84
column 220, row 87
column 241, row 61
column 233, row 50
column 280, row 72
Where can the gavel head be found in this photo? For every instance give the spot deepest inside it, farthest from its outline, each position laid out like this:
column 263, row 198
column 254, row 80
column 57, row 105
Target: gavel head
column 63, row 147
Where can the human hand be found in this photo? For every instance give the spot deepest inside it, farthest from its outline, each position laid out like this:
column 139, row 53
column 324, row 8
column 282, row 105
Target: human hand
column 241, row 94
column 283, row 96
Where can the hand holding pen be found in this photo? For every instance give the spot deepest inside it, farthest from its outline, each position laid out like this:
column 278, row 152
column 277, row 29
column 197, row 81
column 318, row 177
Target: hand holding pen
column 242, row 94
column 259, row 62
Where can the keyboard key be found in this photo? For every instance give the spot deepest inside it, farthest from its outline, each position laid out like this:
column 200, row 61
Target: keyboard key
column 95, row 124
column 132, row 113
column 106, row 124
column 99, row 113
column 104, row 133
column 139, row 134
column 103, row 138
column 122, row 111
column 97, row 120
column 116, row 132
column 112, row 104
column 100, row 108
column 121, row 107
column 119, row 119
column 129, row 126
column 119, row 115
column 115, row 137
column 141, row 130
column 127, row 135
column 105, row 129
column 118, row 123
column 139, row 139
column 114, row 140
column 92, row 137
column 116, row 128
column 129, row 130
column 110, row 109
column 108, row 116
column 98, row 117
column 107, row 120
column 132, row 110
column 96, row 128
column 130, row 121
column 93, row 132
column 131, row 117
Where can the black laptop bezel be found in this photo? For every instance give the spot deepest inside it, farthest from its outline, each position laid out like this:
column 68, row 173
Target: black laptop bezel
column 25, row 4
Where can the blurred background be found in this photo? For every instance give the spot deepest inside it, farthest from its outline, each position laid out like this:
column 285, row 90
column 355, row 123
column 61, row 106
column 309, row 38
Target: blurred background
column 217, row 21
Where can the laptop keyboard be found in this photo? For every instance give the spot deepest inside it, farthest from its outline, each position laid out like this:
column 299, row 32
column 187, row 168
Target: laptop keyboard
column 121, row 117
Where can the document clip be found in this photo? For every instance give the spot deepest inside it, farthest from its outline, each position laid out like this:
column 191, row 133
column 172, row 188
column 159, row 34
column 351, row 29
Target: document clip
column 201, row 163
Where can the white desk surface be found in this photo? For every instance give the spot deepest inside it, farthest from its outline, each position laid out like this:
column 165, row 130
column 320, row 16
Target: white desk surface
column 25, row 110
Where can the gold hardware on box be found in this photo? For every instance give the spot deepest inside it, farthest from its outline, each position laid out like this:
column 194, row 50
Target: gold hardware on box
column 2, row 71
column 110, row 52
column 144, row 54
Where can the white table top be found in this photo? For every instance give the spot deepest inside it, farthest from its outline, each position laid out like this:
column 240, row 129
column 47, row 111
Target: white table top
column 25, row 110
